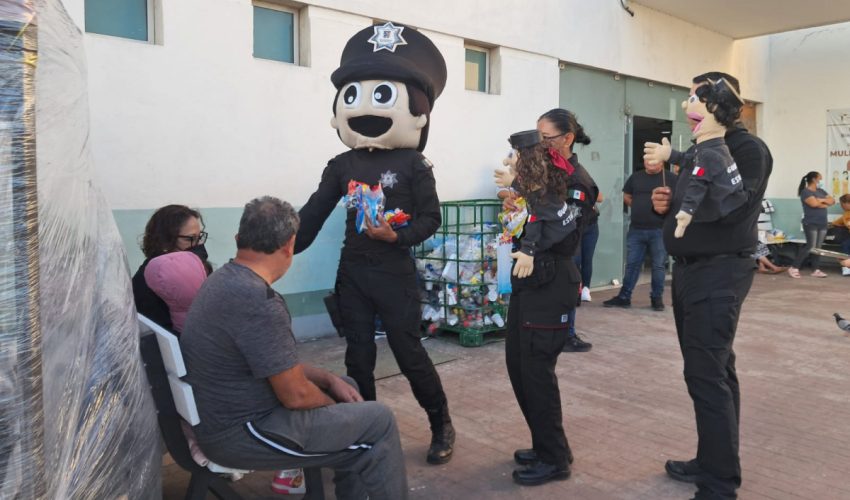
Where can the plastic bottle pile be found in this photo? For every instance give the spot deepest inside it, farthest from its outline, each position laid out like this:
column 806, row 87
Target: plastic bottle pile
column 459, row 280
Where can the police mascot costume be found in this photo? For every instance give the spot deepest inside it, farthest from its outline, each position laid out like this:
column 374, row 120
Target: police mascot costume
column 388, row 79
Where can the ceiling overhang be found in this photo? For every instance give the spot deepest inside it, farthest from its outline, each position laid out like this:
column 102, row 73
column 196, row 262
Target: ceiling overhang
column 745, row 19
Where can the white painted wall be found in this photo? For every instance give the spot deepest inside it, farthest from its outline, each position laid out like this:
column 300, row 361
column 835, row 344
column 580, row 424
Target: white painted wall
column 809, row 73
column 198, row 120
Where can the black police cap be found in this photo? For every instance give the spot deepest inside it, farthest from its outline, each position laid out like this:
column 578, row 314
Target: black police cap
column 392, row 52
column 524, row 139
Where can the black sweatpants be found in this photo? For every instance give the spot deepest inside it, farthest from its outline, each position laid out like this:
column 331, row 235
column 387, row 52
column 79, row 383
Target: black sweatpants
column 386, row 286
column 536, row 335
column 707, row 299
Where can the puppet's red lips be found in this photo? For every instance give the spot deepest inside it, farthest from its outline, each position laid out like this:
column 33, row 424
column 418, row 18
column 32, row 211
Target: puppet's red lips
column 370, row 125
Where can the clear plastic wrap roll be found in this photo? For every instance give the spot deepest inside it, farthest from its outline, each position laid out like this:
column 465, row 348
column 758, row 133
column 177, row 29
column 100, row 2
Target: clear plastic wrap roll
column 76, row 416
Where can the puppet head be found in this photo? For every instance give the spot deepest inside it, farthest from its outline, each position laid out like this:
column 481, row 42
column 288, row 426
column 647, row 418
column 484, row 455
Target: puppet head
column 539, row 167
column 713, row 107
column 388, row 79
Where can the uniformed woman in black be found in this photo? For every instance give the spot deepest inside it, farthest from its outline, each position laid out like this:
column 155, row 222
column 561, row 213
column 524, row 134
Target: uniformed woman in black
column 545, row 286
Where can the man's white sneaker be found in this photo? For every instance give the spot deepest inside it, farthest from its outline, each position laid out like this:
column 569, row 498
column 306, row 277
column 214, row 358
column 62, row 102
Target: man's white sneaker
column 845, row 271
column 585, row 294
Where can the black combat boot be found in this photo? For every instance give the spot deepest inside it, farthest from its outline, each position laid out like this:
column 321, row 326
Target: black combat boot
column 442, row 435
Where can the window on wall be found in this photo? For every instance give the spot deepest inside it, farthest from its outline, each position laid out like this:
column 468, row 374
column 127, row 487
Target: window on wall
column 477, row 69
column 275, row 32
column 131, row 19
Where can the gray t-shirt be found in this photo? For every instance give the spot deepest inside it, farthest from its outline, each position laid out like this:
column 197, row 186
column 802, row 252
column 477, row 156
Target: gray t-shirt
column 237, row 334
column 814, row 216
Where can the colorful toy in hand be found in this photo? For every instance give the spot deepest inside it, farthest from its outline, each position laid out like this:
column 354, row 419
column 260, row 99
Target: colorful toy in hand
column 368, row 200
column 396, row 218
column 513, row 220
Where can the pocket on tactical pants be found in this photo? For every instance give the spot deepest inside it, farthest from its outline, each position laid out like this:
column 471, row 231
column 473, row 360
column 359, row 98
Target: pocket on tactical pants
column 546, row 343
column 712, row 318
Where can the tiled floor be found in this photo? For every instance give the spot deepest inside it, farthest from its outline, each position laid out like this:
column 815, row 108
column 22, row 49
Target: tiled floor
column 626, row 409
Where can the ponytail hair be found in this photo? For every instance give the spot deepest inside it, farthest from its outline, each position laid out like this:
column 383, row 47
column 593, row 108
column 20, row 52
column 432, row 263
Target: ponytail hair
column 566, row 123
column 806, row 180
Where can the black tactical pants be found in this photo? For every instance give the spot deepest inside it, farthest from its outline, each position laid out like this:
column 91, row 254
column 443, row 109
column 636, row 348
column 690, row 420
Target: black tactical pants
column 385, row 286
column 537, row 331
column 707, row 299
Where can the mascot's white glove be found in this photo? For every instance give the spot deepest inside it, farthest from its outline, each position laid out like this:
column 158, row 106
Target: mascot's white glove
column 503, row 178
column 524, row 264
column 682, row 221
column 656, row 153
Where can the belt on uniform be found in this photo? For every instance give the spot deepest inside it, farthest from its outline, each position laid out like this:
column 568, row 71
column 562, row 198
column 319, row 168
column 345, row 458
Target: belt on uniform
column 693, row 259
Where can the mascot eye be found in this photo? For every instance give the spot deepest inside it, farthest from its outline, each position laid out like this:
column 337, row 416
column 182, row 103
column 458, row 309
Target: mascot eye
column 384, row 95
column 693, row 98
column 351, row 95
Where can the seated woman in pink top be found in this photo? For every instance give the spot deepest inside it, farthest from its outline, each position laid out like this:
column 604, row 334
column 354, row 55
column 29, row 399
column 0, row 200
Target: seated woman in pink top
column 176, row 278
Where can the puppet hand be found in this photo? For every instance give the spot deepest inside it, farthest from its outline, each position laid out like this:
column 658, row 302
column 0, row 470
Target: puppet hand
column 682, row 221
column 524, row 265
column 656, row 153
column 509, row 203
column 383, row 231
column 503, row 178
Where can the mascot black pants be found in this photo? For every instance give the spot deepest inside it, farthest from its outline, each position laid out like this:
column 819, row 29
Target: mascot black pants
column 537, row 331
column 707, row 298
column 386, row 286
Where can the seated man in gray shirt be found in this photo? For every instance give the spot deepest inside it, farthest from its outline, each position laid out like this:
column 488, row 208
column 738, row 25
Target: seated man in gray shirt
column 260, row 408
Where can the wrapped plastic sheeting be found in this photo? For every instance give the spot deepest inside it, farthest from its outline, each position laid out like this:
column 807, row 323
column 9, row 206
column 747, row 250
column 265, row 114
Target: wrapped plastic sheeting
column 76, row 417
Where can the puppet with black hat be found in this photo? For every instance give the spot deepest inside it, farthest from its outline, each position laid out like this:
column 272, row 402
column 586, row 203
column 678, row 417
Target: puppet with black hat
column 545, row 286
column 387, row 82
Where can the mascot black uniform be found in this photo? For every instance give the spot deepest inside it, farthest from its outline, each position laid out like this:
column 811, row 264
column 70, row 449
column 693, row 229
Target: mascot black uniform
column 388, row 79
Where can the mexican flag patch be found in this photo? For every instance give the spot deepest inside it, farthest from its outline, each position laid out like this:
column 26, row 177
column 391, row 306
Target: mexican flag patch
column 698, row 171
column 577, row 195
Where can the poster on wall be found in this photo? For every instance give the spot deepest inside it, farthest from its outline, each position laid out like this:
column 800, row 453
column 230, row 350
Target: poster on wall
column 838, row 152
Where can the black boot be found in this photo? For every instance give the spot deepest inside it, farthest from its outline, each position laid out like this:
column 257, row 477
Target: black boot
column 442, row 435
column 529, row 456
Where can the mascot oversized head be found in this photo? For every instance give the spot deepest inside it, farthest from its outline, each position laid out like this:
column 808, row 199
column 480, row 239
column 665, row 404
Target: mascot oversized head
column 388, row 79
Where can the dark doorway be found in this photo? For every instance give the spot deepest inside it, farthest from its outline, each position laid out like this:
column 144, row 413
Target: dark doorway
column 647, row 130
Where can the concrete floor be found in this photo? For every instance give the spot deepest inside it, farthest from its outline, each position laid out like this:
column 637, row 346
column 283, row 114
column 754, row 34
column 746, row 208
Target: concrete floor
column 626, row 409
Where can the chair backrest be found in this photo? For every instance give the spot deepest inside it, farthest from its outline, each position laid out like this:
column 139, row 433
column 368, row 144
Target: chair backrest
column 172, row 358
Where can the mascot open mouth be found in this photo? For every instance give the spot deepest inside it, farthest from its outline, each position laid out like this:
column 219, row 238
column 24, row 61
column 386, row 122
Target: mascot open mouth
column 696, row 118
column 370, row 125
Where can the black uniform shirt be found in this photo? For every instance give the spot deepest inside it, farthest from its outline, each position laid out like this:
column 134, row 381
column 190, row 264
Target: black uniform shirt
column 736, row 232
column 550, row 220
column 555, row 224
column 713, row 187
column 408, row 183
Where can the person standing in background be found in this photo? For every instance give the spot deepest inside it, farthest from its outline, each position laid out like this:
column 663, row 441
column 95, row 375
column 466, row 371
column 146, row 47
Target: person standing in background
column 815, row 201
column 644, row 234
column 559, row 129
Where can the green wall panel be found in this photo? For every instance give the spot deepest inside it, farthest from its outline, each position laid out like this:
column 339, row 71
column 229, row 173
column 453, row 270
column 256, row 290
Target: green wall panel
column 597, row 100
